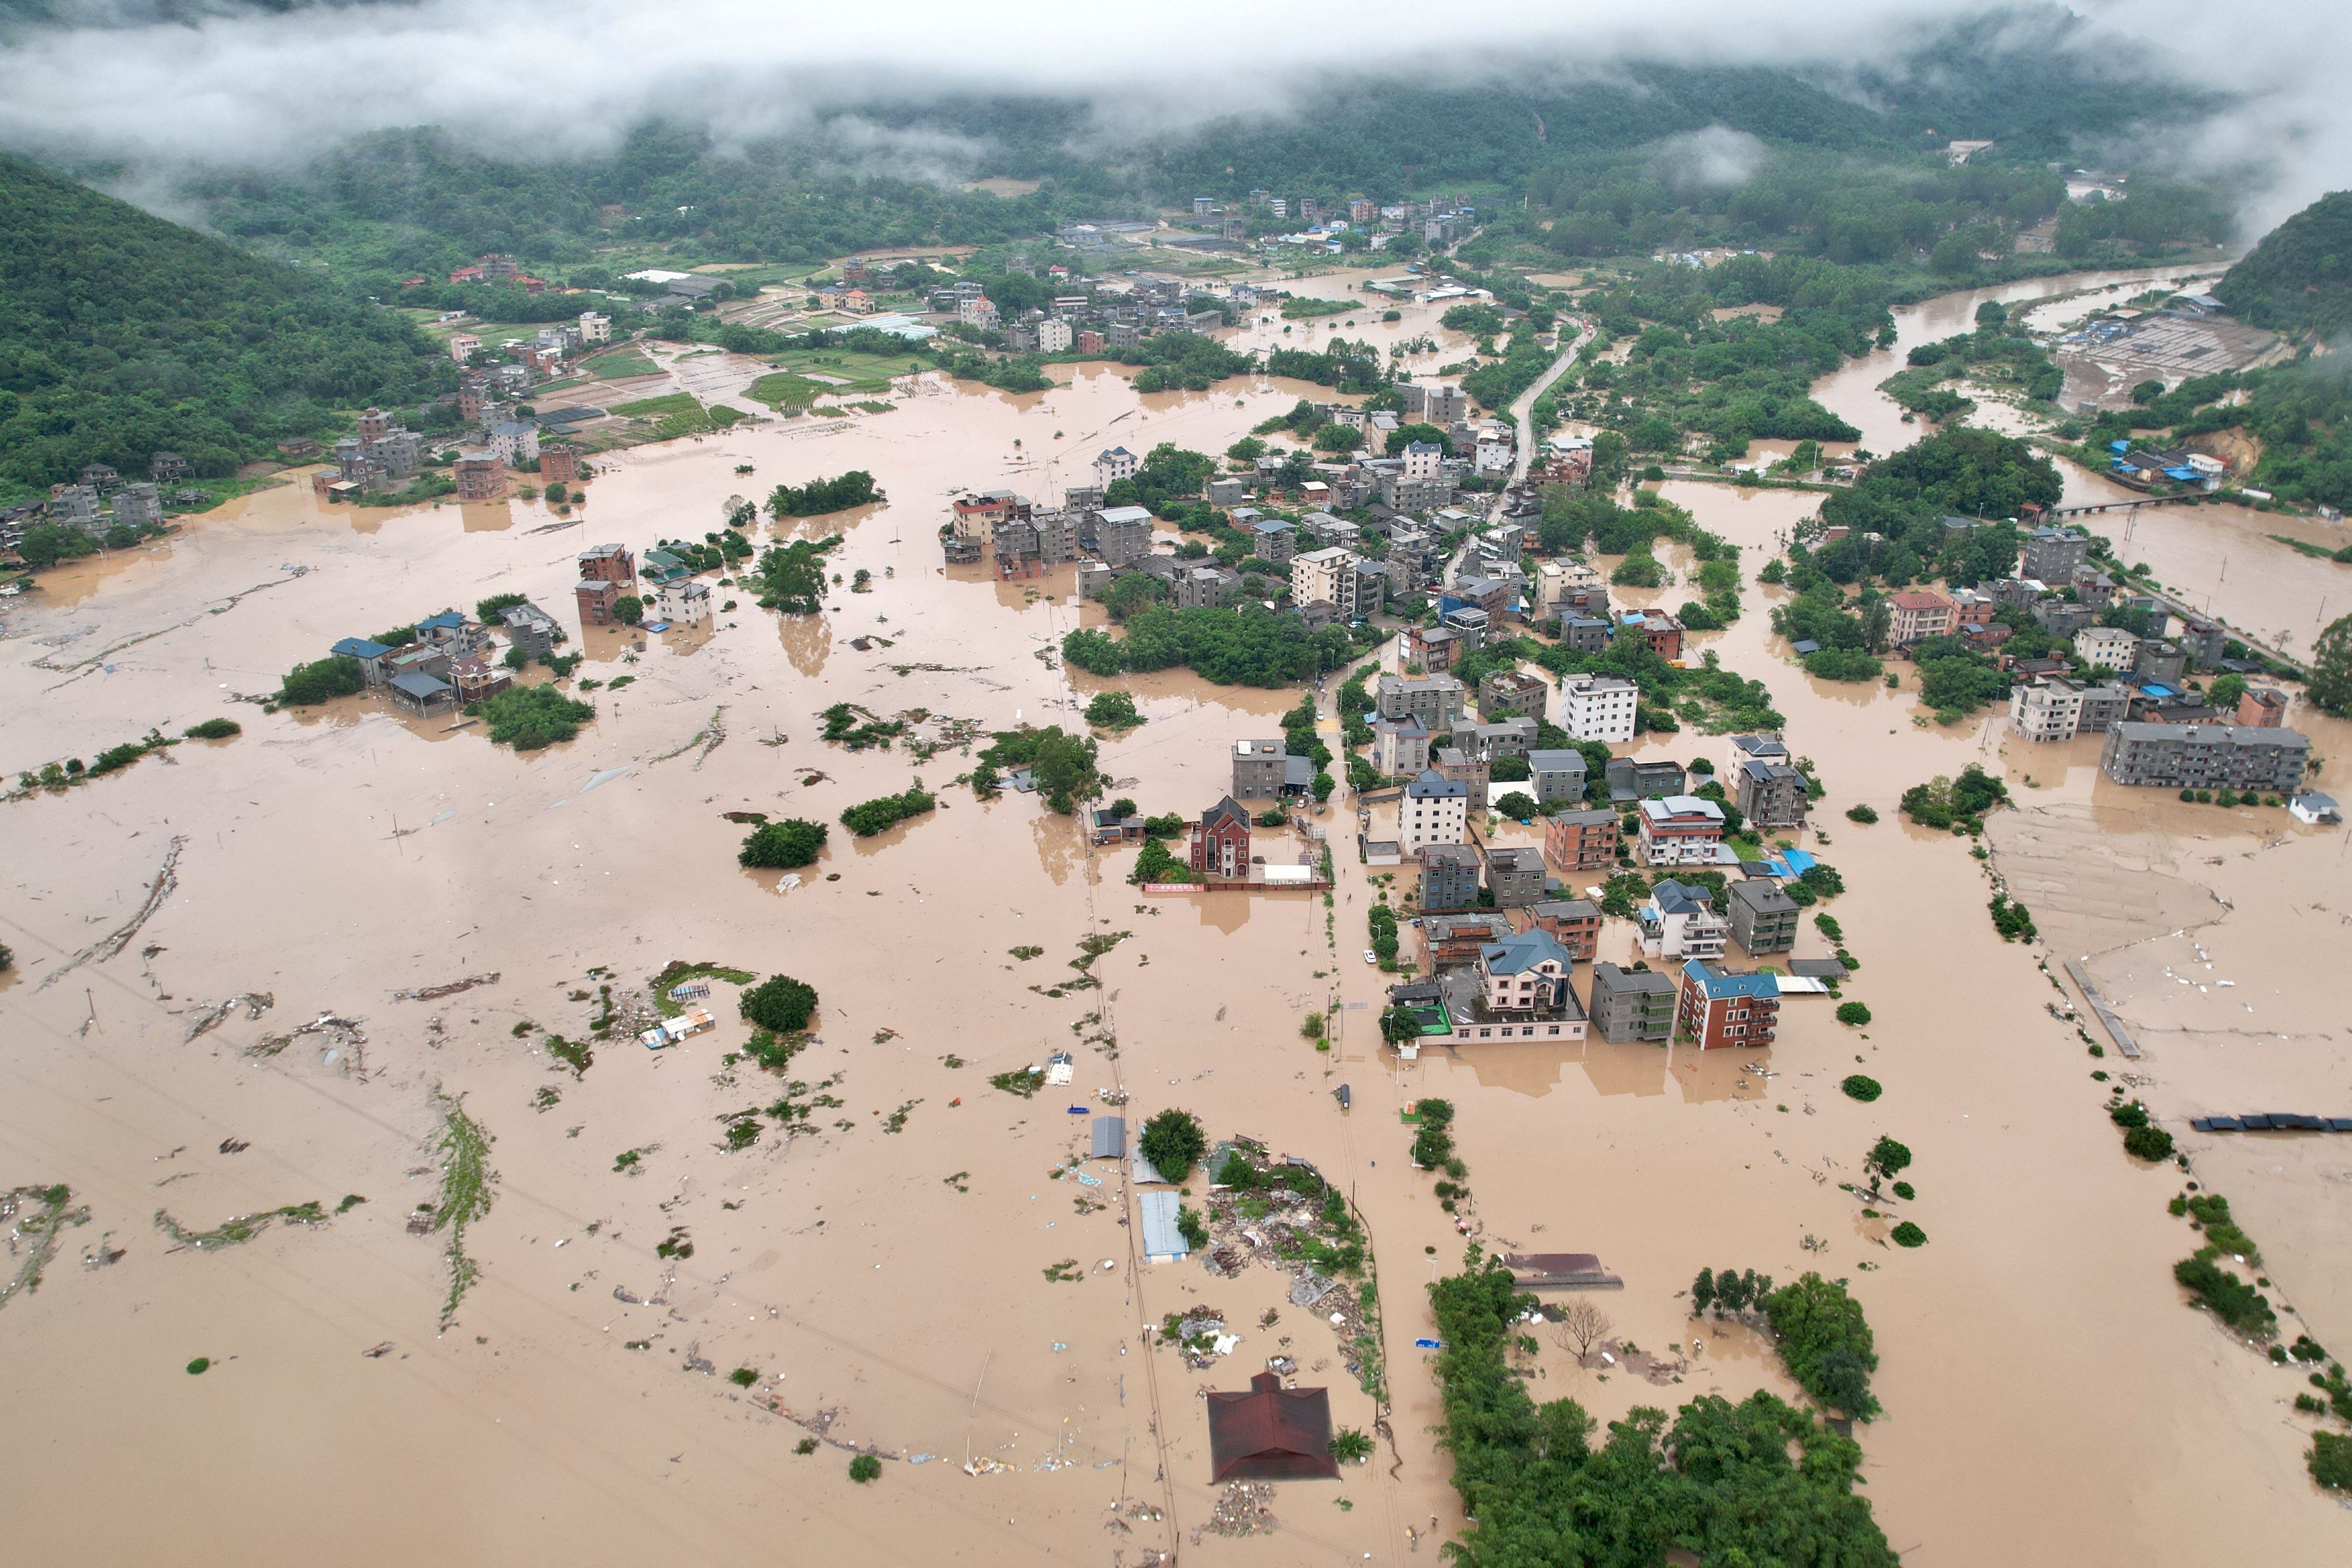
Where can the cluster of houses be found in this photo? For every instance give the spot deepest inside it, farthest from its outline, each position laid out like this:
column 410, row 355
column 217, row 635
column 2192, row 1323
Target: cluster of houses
column 452, row 660
column 1503, row 929
column 100, row 500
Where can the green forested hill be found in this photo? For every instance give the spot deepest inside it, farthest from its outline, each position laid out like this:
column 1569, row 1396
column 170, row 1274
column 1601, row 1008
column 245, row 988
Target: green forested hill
column 122, row 335
column 2299, row 279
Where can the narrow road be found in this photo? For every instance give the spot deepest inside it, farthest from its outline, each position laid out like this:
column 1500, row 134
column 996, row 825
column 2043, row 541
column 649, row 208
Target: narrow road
column 1523, row 411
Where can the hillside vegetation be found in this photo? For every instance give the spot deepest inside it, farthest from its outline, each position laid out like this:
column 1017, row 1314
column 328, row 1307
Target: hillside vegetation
column 2299, row 279
column 122, row 335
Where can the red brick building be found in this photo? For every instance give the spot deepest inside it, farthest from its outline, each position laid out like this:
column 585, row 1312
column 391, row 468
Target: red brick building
column 2263, row 707
column 480, row 477
column 1221, row 841
column 597, row 599
column 1718, row 1009
column 1574, row 924
column 1435, row 649
column 609, row 564
column 559, row 463
column 1581, row 840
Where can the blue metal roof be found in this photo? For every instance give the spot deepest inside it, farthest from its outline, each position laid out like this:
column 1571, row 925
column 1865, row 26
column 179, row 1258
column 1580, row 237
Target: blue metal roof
column 360, row 647
column 446, row 618
column 1162, row 1238
column 1715, row 985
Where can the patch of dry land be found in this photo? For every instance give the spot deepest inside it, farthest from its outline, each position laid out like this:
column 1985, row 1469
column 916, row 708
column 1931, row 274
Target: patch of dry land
column 354, row 954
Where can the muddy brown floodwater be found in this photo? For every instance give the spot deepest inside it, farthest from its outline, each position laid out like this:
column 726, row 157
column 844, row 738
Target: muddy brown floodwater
column 889, row 1276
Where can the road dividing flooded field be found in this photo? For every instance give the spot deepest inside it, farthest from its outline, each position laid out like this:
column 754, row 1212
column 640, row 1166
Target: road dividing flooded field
column 258, row 975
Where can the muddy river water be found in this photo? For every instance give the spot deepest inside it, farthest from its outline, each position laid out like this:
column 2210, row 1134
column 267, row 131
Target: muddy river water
column 889, row 1276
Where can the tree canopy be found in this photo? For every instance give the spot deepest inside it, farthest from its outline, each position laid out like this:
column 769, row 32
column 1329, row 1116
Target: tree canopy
column 125, row 335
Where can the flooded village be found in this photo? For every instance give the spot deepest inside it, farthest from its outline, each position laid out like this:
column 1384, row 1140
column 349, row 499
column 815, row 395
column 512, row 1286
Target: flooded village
column 413, row 1081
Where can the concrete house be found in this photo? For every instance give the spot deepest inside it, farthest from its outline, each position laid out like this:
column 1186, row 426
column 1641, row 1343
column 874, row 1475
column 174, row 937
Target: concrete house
column 1581, row 840
column 1526, row 973
column 1763, row 917
column 1435, row 810
column 372, row 656
column 1598, row 708
column 1123, row 534
column 597, row 600
column 2206, row 756
column 533, row 629
column 1719, row 1009
column 1681, row 830
column 1514, row 877
column 1680, row 920
column 1574, row 924
column 2107, row 647
column 1769, row 793
column 1221, row 841
column 1631, row 1004
column 1556, row 777
column 1325, row 577
column 2052, row 554
column 1399, row 747
column 1114, row 464
column 1914, row 617
column 1630, row 780
column 1507, row 694
column 1449, row 876
column 1437, row 700
column 1259, row 769
column 609, row 564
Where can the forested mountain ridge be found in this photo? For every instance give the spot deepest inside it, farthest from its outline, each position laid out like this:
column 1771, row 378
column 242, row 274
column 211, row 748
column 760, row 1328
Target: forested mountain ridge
column 2299, row 279
column 122, row 335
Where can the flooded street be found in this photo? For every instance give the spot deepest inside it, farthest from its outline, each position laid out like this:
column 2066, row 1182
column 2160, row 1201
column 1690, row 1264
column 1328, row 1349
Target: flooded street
column 915, row 1272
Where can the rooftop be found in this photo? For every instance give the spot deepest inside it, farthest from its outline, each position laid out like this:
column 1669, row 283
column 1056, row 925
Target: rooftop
column 1524, row 950
column 1434, row 785
column 1716, row 984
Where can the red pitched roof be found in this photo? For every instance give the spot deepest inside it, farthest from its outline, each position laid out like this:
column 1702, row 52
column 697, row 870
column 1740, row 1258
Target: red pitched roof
column 1270, row 1433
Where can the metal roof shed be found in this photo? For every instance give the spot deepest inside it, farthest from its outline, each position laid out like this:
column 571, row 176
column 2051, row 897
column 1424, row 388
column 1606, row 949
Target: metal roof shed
column 1162, row 1241
column 1110, row 1138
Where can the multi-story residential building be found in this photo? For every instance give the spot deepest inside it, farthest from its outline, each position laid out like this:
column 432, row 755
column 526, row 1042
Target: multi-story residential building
column 1456, row 937
column 1259, row 769
column 481, row 475
column 530, row 629
column 595, row 329
column 2204, row 642
column 2206, row 756
column 1629, row 780
column 2049, row 709
column 1435, row 810
column 1326, row 577
column 2159, row 663
column 1914, row 617
column 1270, row 539
column 1437, row 700
column 976, row 516
column 1556, row 580
column 1123, row 534
column 609, row 564
column 1114, row 464
column 1054, row 336
column 1221, row 841
column 2062, row 618
column 1631, row 1004
column 685, row 602
column 1763, row 917
column 1508, row 694
column 1581, row 840
column 1556, row 777
column 2104, row 707
column 1681, row 830
column 1435, row 649
column 1204, row 586
column 1583, row 633
column 1399, row 747
column 1574, row 924
column 2051, row 554
column 597, row 597
column 515, row 442
column 1509, row 738
column 1527, row 972
column 1663, row 633
column 1514, row 877
column 1971, row 611
column 1680, row 920
column 1768, row 790
column 2107, row 647
column 1449, row 876
column 1598, row 708
column 1469, row 770
column 1720, row 1009
column 140, row 505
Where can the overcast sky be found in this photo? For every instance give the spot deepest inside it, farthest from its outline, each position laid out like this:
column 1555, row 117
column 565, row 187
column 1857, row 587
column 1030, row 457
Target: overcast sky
column 540, row 77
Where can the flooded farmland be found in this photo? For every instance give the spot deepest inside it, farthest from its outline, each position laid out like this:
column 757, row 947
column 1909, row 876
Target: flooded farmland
column 921, row 1271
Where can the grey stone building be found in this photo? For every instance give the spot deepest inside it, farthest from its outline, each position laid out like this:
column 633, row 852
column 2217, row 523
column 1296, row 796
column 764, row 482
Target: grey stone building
column 1449, row 876
column 2206, row 756
column 1259, row 769
column 1631, row 1004
column 1514, row 877
column 1763, row 917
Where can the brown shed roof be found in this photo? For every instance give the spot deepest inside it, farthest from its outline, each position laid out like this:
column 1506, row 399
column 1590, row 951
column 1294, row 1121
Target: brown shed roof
column 1270, row 1433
